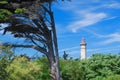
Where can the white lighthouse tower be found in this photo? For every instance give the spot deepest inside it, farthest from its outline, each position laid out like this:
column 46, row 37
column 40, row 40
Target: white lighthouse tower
column 83, row 49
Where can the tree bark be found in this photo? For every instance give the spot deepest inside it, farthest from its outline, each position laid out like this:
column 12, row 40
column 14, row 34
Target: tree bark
column 58, row 77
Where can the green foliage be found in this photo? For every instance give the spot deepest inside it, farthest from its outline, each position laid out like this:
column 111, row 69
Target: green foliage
column 23, row 69
column 97, row 67
column 19, row 10
column 5, row 55
column 103, row 66
column 3, row 73
column 71, row 70
column 44, row 74
column 4, row 15
column 112, row 77
column 3, row 2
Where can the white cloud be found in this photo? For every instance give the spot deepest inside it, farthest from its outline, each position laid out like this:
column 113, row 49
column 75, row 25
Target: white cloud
column 74, row 53
column 70, row 5
column 68, row 49
column 89, row 19
column 1, row 31
column 111, row 38
column 108, row 38
column 75, row 5
column 85, row 10
column 93, row 33
column 103, row 49
column 113, row 17
column 115, row 5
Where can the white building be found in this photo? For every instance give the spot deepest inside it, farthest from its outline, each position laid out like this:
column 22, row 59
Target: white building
column 83, row 49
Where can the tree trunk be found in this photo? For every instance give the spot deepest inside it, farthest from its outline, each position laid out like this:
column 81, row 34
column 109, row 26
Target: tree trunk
column 55, row 47
column 54, row 67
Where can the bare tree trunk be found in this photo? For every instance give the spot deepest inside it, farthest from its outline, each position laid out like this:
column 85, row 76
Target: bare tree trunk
column 54, row 68
column 58, row 77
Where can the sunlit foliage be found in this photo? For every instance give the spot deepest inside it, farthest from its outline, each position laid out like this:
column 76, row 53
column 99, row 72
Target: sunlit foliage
column 23, row 69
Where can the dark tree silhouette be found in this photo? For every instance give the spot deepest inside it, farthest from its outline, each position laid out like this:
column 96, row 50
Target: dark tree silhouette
column 65, row 55
column 36, row 24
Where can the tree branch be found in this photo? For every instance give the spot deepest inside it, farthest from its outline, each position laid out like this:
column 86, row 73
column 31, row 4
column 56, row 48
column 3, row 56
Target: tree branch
column 41, row 49
column 16, row 45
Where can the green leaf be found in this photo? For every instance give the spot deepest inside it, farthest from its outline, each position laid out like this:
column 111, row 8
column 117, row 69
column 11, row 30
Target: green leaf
column 19, row 10
column 4, row 15
column 3, row 2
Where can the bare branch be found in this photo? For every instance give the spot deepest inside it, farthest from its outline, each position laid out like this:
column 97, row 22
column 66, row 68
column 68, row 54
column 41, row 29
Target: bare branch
column 41, row 49
column 15, row 45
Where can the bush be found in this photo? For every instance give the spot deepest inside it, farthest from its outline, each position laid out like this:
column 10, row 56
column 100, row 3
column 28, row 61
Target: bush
column 112, row 77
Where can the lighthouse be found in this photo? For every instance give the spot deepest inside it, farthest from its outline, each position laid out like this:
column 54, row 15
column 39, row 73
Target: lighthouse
column 83, row 49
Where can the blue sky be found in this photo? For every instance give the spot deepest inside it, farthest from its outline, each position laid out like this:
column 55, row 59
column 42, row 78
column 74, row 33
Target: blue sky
column 98, row 21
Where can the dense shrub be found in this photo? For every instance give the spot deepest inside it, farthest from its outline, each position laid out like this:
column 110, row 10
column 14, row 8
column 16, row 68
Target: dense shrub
column 97, row 67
